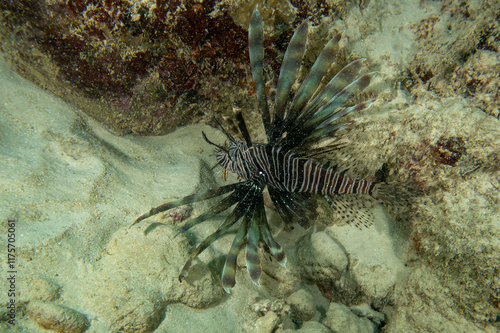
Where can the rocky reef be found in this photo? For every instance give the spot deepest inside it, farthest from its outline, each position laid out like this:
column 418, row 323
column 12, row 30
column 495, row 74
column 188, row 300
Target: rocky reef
column 139, row 67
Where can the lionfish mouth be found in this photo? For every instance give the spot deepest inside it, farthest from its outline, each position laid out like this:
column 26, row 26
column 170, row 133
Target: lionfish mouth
column 285, row 164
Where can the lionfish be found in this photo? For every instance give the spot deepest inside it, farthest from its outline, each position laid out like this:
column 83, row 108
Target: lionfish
column 285, row 165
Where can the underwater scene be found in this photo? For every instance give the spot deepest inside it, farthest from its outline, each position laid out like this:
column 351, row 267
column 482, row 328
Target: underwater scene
column 250, row 166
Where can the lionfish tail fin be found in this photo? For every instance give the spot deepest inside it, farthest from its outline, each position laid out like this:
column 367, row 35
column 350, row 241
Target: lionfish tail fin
column 398, row 193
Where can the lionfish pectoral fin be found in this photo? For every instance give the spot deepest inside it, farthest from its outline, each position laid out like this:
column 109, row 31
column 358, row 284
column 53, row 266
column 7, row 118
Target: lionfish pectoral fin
column 274, row 248
column 237, row 213
column 229, row 271
column 294, row 207
column 221, row 206
column 187, row 200
column 252, row 249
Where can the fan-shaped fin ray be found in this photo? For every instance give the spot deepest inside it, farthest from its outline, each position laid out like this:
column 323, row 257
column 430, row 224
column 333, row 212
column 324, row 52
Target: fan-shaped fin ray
column 284, row 206
column 187, row 200
column 314, row 152
column 294, row 207
column 212, row 212
column 313, row 79
column 252, row 249
column 289, row 69
column 327, row 112
column 342, row 79
column 229, row 270
column 274, row 248
column 256, row 52
column 243, row 207
column 329, row 128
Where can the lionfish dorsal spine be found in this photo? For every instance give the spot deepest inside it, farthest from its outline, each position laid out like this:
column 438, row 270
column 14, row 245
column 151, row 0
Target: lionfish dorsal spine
column 313, row 79
column 327, row 113
column 256, row 53
column 289, row 70
column 336, row 84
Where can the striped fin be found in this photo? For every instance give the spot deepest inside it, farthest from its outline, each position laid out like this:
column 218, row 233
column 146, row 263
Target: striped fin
column 239, row 211
column 274, row 248
column 252, row 249
column 325, row 113
column 341, row 87
column 212, row 212
column 229, row 270
column 242, row 126
column 313, row 79
column 289, row 69
column 294, row 207
column 328, row 128
column 231, row 125
column 256, row 52
column 342, row 79
column 187, row 200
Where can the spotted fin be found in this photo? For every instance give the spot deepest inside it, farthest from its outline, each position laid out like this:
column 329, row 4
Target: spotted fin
column 351, row 210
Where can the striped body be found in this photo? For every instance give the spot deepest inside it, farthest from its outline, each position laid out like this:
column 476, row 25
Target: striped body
column 287, row 171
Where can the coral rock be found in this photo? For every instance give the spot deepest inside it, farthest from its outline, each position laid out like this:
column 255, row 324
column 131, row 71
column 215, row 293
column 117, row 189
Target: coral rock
column 321, row 257
column 340, row 319
column 57, row 318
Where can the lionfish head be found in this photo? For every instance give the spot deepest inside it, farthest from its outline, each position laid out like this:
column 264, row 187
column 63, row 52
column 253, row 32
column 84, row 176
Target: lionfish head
column 231, row 156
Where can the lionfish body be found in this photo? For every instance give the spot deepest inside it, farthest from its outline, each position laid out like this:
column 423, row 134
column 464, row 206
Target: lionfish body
column 284, row 164
column 286, row 171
